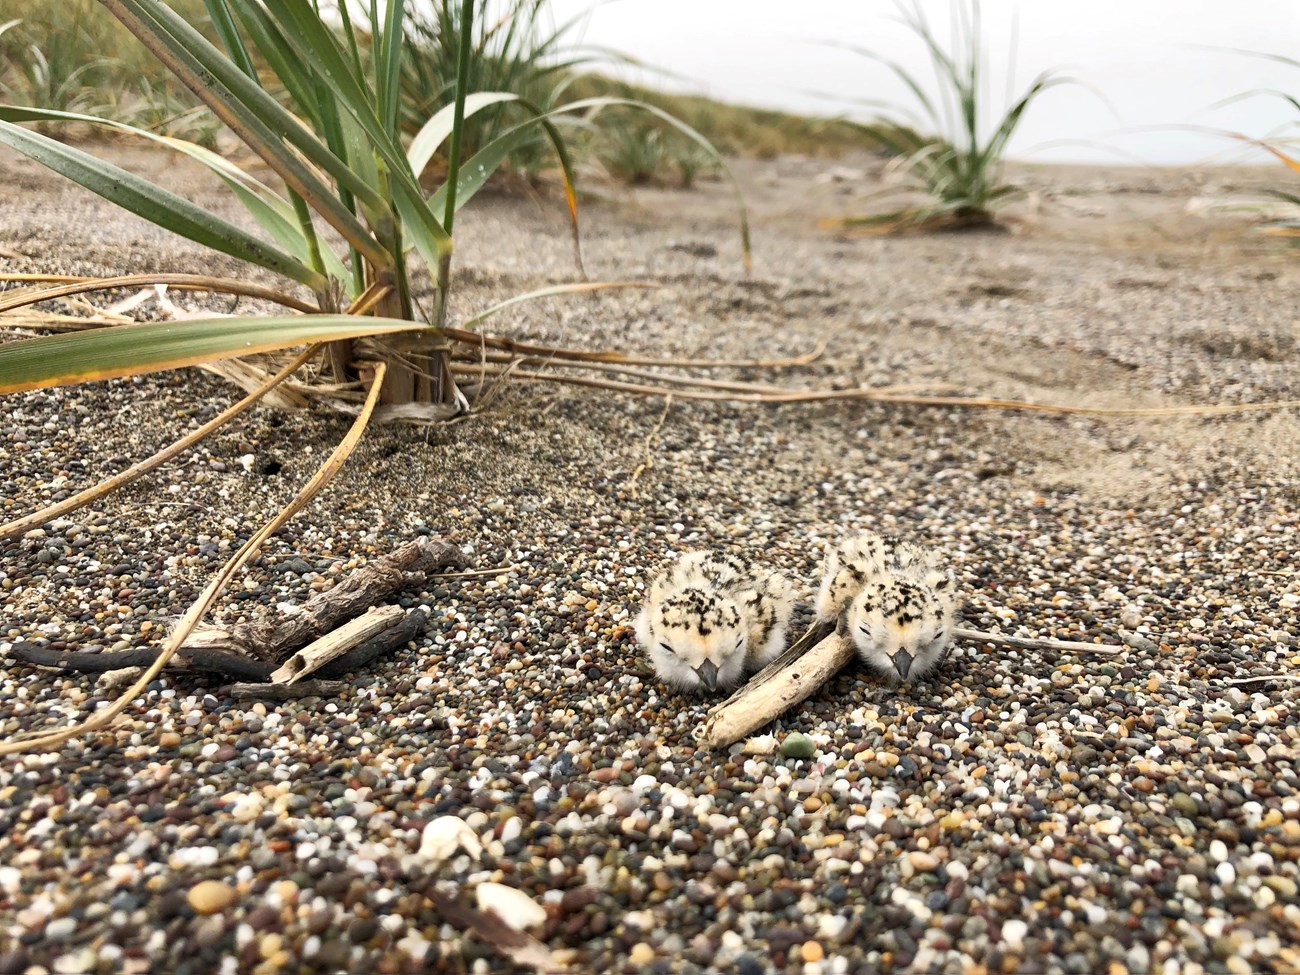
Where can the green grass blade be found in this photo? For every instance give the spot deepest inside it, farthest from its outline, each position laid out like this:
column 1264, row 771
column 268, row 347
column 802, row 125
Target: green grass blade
column 329, row 58
column 280, row 57
column 463, row 57
column 906, row 77
column 242, row 104
column 271, row 211
column 131, row 350
column 155, row 204
column 389, row 66
column 435, row 131
column 997, row 143
column 224, row 24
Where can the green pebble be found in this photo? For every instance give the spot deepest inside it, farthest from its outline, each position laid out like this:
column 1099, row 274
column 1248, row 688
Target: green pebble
column 797, row 745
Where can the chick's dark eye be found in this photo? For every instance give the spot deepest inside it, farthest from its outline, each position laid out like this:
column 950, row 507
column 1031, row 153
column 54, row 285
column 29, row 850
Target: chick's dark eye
column 666, row 648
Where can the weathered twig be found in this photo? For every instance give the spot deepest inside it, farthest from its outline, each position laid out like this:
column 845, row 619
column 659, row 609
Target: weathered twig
column 1034, row 643
column 519, row 946
column 791, row 678
column 233, row 665
column 287, row 692
column 337, row 642
column 397, row 636
column 222, row 663
column 370, row 585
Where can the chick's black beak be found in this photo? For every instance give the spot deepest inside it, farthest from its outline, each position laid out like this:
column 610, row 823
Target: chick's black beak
column 708, row 673
column 902, row 663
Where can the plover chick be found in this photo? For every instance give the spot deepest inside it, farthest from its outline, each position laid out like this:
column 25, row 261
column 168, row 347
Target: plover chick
column 892, row 601
column 710, row 620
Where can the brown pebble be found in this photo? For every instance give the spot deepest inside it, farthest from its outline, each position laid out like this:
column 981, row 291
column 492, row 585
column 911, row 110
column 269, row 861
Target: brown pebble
column 211, row 896
column 812, row 951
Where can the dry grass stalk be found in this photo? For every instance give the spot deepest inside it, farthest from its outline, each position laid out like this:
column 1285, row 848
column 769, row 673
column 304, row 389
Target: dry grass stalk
column 1035, row 643
column 648, row 449
column 810, row 662
column 618, row 358
column 891, row 395
column 183, row 282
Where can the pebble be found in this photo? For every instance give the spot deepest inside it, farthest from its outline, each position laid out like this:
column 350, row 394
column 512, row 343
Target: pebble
column 641, row 954
column 797, row 745
column 811, row 951
column 211, row 896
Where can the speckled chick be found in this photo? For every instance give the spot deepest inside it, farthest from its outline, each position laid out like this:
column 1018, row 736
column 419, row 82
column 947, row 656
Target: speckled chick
column 893, row 602
column 710, row 620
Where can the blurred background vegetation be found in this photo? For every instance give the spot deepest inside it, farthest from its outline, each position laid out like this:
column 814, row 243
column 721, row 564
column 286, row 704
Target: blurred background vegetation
column 73, row 56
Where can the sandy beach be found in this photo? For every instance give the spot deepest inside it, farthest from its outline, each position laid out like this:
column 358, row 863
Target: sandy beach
column 1026, row 812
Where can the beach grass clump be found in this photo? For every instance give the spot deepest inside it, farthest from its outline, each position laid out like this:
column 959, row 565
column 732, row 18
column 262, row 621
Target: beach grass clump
column 73, row 56
column 1285, row 146
column 632, row 152
column 319, row 99
column 516, row 47
column 950, row 144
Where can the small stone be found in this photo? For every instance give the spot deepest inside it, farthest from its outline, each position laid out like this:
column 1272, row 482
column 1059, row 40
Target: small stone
column 1184, row 803
column 211, row 896
column 797, row 745
column 811, row 951
column 443, row 837
column 511, row 904
column 923, row 861
column 641, row 954
column 1284, row 886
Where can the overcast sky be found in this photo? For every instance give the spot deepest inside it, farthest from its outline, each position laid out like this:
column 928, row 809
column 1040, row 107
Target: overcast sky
column 1147, row 57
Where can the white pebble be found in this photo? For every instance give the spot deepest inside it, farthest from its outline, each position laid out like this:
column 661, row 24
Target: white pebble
column 447, row 834
column 1014, row 931
column 512, row 905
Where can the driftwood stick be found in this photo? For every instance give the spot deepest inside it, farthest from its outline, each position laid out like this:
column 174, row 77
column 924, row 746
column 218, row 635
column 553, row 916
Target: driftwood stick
column 779, row 686
column 336, row 643
column 1027, row 643
column 388, row 641
column 287, row 692
column 814, row 659
column 1264, row 679
column 208, row 661
column 219, row 662
column 372, row 584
